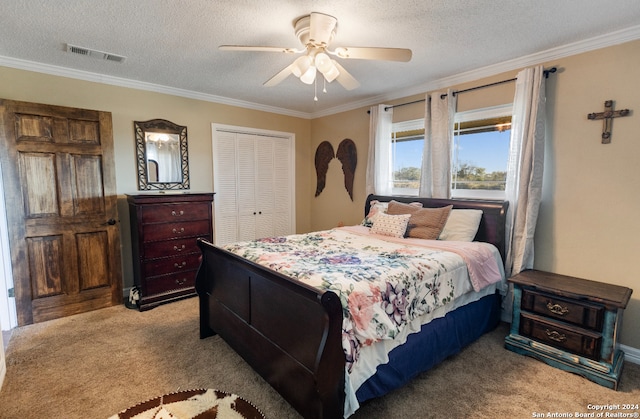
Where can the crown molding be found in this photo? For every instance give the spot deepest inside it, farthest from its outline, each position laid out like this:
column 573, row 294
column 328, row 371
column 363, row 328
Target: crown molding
column 140, row 85
column 591, row 44
column 602, row 41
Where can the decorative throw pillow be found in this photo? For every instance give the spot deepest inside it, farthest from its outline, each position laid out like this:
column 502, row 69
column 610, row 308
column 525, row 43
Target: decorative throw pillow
column 390, row 225
column 376, row 207
column 462, row 225
column 425, row 223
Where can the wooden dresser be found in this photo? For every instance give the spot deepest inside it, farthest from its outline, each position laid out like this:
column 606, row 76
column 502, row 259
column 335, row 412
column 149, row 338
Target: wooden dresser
column 164, row 229
column 569, row 323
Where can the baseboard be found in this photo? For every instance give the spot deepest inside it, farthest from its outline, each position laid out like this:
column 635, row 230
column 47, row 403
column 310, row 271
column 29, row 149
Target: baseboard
column 630, row 354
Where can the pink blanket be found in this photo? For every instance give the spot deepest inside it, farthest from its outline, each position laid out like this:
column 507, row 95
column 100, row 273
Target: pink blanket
column 481, row 261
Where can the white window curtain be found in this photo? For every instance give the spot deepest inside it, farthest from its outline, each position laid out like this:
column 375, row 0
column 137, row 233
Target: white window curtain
column 526, row 162
column 435, row 180
column 379, row 168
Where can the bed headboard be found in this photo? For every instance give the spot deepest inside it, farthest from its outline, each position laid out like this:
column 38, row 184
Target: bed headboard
column 492, row 224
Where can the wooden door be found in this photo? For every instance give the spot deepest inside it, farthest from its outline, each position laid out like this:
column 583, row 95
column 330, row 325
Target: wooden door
column 59, row 184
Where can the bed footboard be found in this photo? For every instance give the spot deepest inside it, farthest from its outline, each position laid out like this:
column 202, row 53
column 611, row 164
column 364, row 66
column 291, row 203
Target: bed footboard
column 288, row 332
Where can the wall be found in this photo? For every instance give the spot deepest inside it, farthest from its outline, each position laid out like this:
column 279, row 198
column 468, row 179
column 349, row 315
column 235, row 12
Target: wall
column 588, row 223
column 128, row 105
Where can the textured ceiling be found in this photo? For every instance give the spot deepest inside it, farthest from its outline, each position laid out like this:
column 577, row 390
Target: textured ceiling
column 172, row 45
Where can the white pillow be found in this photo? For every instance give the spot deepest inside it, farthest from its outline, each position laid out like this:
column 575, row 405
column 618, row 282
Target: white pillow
column 390, row 225
column 462, row 225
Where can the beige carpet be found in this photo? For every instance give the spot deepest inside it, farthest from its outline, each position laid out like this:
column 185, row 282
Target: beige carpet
column 96, row 364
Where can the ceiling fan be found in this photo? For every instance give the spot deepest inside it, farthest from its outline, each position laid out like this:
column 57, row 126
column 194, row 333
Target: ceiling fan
column 315, row 32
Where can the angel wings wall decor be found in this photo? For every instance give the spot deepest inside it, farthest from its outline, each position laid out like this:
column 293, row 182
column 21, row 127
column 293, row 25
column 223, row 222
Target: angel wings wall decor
column 348, row 156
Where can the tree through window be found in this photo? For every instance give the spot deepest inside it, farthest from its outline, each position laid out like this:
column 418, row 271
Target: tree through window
column 480, row 154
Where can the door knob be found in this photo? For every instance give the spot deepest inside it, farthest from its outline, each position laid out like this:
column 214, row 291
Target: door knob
column 111, row 222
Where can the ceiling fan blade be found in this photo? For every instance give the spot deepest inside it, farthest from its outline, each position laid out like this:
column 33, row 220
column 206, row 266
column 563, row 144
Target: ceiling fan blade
column 371, row 53
column 321, row 28
column 278, row 78
column 257, row 48
column 345, row 79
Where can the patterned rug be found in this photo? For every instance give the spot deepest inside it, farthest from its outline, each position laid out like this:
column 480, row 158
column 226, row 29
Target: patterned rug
column 193, row 404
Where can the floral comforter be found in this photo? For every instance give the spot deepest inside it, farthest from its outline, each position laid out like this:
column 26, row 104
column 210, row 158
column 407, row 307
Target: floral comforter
column 382, row 284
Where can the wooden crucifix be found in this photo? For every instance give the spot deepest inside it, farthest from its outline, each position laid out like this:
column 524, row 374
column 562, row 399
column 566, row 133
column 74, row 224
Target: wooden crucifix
column 607, row 117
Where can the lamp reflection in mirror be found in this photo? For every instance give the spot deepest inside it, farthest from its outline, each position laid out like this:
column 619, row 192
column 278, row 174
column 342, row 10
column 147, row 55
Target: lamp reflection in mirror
column 164, row 150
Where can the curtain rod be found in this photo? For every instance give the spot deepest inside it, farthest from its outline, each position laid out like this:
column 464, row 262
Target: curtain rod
column 546, row 76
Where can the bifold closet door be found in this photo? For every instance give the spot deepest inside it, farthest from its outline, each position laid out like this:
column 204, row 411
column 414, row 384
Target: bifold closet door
column 253, row 181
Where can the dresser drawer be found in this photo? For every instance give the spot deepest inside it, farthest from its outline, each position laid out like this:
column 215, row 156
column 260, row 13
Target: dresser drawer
column 169, row 248
column 156, row 232
column 175, row 212
column 575, row 340
column 579, row 313
column 166, row 283
column 179, row 263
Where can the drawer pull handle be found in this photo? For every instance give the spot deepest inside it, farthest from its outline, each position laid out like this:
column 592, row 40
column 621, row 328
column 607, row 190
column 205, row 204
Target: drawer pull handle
column 557, row 309
column 175, row 230
column 177, row 214
column 180, row 266
column 178, row 249
column 556, row 336
column 181, row 281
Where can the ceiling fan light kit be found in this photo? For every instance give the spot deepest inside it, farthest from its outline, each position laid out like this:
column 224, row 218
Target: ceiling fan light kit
column 315, row 32
column 301, row 65
column 309, row 76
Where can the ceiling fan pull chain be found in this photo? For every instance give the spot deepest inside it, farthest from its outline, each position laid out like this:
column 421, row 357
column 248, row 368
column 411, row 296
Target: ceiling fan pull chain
column 324, row 85
column 315, row 89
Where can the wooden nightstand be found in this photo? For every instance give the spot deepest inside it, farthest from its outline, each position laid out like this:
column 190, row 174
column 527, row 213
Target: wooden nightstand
column 569, row 323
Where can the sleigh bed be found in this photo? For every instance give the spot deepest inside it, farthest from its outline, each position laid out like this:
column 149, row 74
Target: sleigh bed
column 295, row 334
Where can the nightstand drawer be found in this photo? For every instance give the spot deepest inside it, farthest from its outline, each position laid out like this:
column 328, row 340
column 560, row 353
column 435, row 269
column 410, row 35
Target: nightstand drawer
column 575, row 340
column 579, row 313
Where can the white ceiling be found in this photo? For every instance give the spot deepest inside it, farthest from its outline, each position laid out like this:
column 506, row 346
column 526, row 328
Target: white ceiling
column 171, row 46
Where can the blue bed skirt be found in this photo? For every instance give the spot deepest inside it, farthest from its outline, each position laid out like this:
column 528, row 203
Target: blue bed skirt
column 436, row 341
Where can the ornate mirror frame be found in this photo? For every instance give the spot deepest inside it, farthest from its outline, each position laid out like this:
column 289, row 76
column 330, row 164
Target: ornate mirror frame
column 160, row 126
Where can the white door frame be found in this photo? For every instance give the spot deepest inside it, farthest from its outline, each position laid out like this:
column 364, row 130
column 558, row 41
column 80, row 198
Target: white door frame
column 8, row 315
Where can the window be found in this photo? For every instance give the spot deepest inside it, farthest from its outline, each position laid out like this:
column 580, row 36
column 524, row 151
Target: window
column 406, row 156
column 479, row 154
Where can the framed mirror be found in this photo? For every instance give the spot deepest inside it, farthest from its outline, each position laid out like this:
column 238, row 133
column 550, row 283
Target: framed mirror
column 161, row 153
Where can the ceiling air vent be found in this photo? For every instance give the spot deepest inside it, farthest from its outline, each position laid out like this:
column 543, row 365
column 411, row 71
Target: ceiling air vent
column 95, row 53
